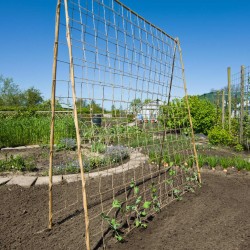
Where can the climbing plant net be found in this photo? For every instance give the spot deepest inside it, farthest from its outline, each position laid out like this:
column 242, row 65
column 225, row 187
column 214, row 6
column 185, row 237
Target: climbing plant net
column 123, row 78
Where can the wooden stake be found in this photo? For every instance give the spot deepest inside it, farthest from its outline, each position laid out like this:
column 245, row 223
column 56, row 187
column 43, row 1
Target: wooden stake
column 189, row 113
column 52, row 125
column 242, row 93
column 229, row 98
column 78, row 137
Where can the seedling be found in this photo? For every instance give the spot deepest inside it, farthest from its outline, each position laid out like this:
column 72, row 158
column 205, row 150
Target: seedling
column 155, row 200
column 113, row 223
column 139, row 209
column 177, row 194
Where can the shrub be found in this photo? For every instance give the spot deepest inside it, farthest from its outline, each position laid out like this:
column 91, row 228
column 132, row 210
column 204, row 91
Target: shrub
column 116, row 154
column 66, row 143
column 219, row 136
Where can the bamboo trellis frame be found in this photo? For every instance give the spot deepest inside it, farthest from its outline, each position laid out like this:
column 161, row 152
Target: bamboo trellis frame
column 169, row 67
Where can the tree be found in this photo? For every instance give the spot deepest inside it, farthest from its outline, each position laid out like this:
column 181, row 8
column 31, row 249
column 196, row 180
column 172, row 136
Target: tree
column 135, row 106
column 46, row 105
column 32, row 97
column 94, row 107
column 10, row 94
column 81, row 103
column 146, row 101
column 175, row 115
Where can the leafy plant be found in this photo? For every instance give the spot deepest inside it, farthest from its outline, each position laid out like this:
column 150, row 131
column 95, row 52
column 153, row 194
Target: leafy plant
column 113, row 223
column 66, row 143
column 172, row 172
column 212, row 161
column 177, row 194
column 17, row 163
column 219, row 136
column 239, row 148
column 98, row 147
column 155, row 200
column 116, row 154
column 139, row 209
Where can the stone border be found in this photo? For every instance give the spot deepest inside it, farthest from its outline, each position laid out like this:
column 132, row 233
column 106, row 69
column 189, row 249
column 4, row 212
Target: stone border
column 21, row 147
column 136, row 158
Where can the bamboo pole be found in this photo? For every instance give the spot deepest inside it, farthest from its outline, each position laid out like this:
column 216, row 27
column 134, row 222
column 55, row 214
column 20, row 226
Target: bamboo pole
column 242, row 102
column 52, row 125
column 189, row 113
column 223, row 109
column 78, row 137
column 169, row 96
column 229, row 98
column 172, row 75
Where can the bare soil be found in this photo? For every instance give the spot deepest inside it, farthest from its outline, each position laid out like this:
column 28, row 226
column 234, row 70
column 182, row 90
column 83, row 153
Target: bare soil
column 216, row 216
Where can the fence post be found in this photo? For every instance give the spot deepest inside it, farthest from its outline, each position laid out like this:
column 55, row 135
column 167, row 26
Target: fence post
column 229, row 97
column 242, row 92
column 223, row 109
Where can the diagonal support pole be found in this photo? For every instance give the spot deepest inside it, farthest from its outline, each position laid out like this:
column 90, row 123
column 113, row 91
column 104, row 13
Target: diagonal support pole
column 52, row 125
column 78, row 137
column 189, row 113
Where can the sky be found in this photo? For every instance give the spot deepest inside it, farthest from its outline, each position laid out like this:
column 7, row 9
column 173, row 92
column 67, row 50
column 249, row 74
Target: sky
column 214, row 34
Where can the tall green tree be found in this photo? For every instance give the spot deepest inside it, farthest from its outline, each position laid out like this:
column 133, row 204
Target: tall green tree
column 10, row 93
column 32, row 97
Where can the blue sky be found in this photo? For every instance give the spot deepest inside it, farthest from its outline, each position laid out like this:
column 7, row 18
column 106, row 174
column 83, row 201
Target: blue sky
column 214, row 34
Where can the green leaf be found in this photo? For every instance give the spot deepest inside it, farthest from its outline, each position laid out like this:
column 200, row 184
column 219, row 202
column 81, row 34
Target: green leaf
column 136, row 190
column 137, row 223
column 116, row 204
column 138, row 200
column 132, row 183
column 147, row 204
column 169, row 182
column 114, row 224
column 144, row 225
column 143, row 213
column 118, row 237
column 128, row 208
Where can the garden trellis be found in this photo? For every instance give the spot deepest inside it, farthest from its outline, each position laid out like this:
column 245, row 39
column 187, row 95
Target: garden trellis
column 112, row 63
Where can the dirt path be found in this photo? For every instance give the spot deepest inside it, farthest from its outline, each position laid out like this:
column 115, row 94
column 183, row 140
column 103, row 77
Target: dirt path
column 217, row 216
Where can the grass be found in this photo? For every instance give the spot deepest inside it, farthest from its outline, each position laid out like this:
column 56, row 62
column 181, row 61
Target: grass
column 27, row 130
column 225, row 162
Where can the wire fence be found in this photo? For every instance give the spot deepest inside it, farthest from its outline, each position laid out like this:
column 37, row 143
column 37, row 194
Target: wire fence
column 124, row 78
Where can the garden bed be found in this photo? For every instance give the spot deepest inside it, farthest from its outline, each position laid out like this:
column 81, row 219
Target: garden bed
column 215, row 217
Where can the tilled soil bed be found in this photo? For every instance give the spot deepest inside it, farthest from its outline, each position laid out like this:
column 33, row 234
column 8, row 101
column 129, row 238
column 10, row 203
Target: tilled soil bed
column 216, row 216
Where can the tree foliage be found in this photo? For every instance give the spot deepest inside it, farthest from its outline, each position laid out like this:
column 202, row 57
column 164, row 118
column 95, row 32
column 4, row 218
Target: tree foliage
column 12, row 95
column 135, row 106
column 175, row 114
